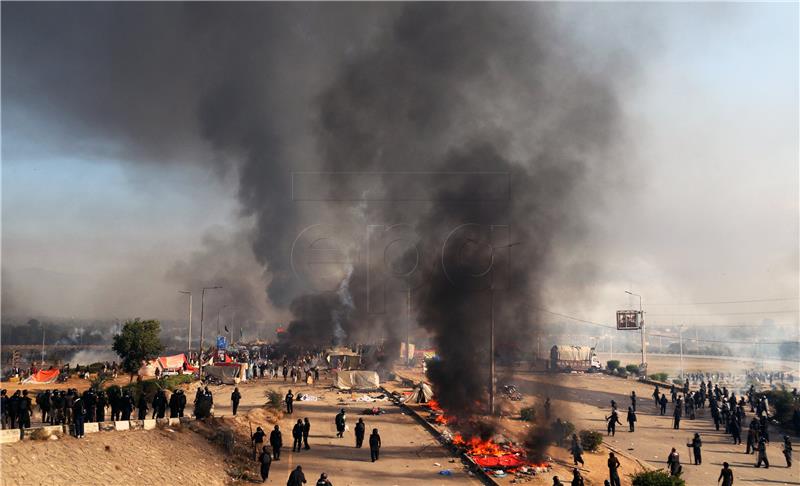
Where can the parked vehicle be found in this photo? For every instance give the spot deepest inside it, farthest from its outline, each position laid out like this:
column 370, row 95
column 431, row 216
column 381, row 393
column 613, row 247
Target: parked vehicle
column 574, row 358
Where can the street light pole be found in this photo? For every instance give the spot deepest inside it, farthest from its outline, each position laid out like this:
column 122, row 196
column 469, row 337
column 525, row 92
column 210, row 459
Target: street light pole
column 189, row 335
column 202, row 313
column 680, row 340
column 641, row 328
column 219, row 311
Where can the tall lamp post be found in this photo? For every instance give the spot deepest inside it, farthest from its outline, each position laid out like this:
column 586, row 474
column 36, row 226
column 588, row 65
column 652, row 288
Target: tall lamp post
column 202, row 310
column 189, row 334
column 219, row 311
column 641, row 328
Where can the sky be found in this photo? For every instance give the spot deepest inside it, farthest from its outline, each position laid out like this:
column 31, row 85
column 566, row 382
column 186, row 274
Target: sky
column 103, row 218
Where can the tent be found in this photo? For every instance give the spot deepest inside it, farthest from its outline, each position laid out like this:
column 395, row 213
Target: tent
column 227, row 373
column 422, row 394
column 42, row 376
column 342, row 358
column 174, row 363
column 356, row 380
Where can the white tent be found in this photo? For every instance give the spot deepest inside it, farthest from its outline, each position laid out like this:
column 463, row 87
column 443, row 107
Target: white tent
column 356, row 380
column 422, row 394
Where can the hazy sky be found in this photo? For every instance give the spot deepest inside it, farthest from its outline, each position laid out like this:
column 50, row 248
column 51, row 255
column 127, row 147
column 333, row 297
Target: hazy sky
column 710, row 107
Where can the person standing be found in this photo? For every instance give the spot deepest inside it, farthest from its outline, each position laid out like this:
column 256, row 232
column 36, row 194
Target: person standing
column 126, row 406
column 340, row 420
column 725, row 475
column 297, row 435
column 235, row 397
column 676, row 416
column 787, row 450
column 752, row 437
column 696, row 444
column 25, row 409
column 257, row 439
column 264, row 461
column 289, row 399
column 306, row 431
column 613, row 466
column 296, row 478
column 631, row 418
column 181, row 402
column 100, row 409
column 663, row 404
column 633, row 400
column 374, row 445
column 577, row 451
column 656, row 396
column 323, row 480
column 361, row 429
column 142, row 406
column 78, row 416
column 736, row 432
column 577, row 479
column 613, row 420
column 276, row 441
column 674, row 463
column 762, row 453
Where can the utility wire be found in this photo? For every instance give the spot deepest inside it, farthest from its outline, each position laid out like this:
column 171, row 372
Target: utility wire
column 785, row 311
column 733, row 301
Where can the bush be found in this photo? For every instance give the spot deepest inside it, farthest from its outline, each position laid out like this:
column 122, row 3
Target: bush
column 659, row 376
column 274, row 399
column 632, row 369
column 612, row 364
column 528, row 414
column 677, row 381
column 172, row 382
column 590, row 440
column 655, row 478
column 621, row 373
column 784, row 405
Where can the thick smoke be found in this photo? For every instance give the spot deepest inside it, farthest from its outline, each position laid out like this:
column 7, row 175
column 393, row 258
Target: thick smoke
column 472, row 114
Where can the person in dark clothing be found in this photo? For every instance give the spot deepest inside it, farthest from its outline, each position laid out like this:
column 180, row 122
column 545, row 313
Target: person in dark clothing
column 114, row 402
column 265, row 460
column 43, row 401
column 576, row 450
column 787, row 450
column 159, row 404
column 752, row 437
column 676, row 416
column 663, row 404
column 181, row 402
column 762, row 453
column 78, row 416
column 374, row 445
column 613, row 420
column 13, row 408
column 257, row 439
column 57, row 408
column 633, row 400
column 725, row 475
column 297, row 435
column 306, row 431
column 696, row 444
column 736, row 431
column 289, row 402
column 4, row 407
column 296, row 478
column 89, row 403
column 142, row 408
column 656, row 395
column 613, row 466
column 126, row 406
column 631, row 418
column 24, row 409
column 173, row 405
column 577, row 479
column 235, row 397
column 361, row 429
column 276, row 441
column 674, row 463
column 323, row 480
column 100, row 408
column 547, row 406
column 340, row 421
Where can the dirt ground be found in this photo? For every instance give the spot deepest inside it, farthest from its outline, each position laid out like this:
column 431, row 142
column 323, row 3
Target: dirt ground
column 129, row 458
column 73, row 382
column 671, row 364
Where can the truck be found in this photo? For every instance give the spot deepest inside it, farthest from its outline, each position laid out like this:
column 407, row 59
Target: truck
column 573, row 358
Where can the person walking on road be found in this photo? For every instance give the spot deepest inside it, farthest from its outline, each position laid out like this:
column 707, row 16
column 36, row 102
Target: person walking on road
column 306, row 431
column 265, row 461
column 289, row 399
column 613, row 466
column 577, row 451
column 613, row 420
column 726, row 475
column 276, row 441
column 676, row 416
column 340, row 420
column 297, row 435
column 374, row 445
column 235, row 398
column 663, row 404
column 361, row 429
column 762, row 453
column 296, row 478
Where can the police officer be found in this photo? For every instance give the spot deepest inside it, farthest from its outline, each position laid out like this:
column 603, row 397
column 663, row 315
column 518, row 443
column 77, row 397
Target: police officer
column 340, row 421
column 676, row 416
column 297, row 435
column 25, row 409
column 577, row 479
column 289, row 399
column 265, row 461
column 276, row 441
column 663, row 403
column 674, row 463
column 696, row 444
column 787, row 450
column 235, row 397
column 296, row 478
column 100, row 408
column 360, row 431
column 374, row 445
column 762, row 453
column 257, row 439
column 306, row 431
column 142, row 408
column 323, row 480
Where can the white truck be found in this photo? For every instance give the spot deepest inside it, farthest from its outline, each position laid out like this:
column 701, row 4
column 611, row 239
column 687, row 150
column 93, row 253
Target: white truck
column 573, row 358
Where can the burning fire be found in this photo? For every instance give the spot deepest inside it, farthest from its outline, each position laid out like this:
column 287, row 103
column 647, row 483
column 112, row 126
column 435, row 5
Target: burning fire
column 477, row 447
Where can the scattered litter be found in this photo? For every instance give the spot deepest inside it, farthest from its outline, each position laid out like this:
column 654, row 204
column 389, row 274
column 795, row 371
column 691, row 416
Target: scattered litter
column 445, row 472
column 307, row 398
column 436, row 464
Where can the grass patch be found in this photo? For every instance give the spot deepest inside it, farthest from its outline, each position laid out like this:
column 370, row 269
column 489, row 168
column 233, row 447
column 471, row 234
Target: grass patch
column 590, row 440
column 274, row 399
column 655, row 478
column 528, row 414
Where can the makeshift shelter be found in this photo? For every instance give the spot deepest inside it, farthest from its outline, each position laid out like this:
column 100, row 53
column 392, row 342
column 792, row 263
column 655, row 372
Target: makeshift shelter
column 356, row 380
column 227, row 373
column 176, row 363
column 42, row 376
column 422, row 394
column 342, row 358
